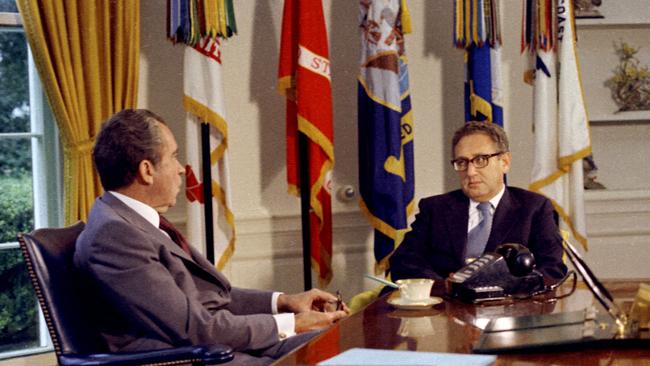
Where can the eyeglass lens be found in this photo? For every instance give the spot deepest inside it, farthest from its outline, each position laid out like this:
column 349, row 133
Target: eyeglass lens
column 479, row 161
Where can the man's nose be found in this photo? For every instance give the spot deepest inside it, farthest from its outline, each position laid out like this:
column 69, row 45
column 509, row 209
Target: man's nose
column 471, row 169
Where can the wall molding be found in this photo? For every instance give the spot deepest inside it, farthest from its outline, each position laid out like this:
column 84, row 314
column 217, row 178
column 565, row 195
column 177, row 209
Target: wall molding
column 618, row 213
column 284, row 233
column 618, row 230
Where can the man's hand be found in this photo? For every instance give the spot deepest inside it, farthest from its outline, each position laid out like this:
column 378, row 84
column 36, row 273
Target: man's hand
column 316, row 320
column 314, row 300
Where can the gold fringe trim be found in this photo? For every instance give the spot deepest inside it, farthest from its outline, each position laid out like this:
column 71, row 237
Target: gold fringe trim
column 539, row 184
column 407, row 26
column 566, row 161
column 318, row 185
column 220, row 195
column 396, row 234
column 478, row 104
column 285, row 83
column 563, row 215
column 217, row 121
column 293, row 190
column 314, row 133
column 376, row 99
column 206, row 114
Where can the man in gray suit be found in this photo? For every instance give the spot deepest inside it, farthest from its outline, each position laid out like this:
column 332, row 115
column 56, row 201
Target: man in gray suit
column 152, row 289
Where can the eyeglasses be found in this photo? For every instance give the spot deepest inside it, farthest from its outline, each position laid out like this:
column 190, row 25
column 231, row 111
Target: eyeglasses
column 479, row 161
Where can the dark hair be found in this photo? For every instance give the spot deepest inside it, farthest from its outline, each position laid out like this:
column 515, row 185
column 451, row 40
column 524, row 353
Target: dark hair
column 492, row 130
column 127, row 138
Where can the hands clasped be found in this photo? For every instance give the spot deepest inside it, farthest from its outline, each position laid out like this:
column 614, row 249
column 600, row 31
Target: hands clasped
column 314, row 309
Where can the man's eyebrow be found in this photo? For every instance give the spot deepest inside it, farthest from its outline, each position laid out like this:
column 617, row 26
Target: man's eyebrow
column 475, row 155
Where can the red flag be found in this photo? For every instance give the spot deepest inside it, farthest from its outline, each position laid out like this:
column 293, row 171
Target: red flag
column 304, row 79
column 193, row 188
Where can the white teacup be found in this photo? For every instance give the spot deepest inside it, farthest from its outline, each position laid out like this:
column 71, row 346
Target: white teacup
column 415, row 289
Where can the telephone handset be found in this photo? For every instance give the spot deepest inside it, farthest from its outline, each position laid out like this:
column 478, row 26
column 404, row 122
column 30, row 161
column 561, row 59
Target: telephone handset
column 509, row 271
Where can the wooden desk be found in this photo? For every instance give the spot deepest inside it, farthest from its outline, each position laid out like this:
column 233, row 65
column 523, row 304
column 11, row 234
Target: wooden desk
column 453, row 326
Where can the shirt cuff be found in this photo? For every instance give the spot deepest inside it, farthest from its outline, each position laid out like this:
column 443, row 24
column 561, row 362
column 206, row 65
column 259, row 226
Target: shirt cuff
column 286, row 323
column 274, row 302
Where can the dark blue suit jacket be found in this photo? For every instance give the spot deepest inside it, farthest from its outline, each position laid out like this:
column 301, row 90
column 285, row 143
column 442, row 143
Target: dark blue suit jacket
column 436, row 244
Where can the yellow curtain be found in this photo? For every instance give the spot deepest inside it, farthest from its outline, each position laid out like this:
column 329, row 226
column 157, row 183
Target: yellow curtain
column 87, row 55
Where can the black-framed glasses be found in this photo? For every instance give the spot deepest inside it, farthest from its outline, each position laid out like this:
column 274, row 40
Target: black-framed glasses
column 479, row 161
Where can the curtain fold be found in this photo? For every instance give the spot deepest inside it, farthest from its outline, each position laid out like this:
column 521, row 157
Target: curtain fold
column 87, row 56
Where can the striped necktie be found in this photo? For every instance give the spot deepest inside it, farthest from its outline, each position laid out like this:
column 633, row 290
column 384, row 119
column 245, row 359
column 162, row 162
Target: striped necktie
column 478, row 237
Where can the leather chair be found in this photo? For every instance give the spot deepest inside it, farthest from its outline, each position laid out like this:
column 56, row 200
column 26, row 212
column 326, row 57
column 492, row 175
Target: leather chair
column 48, row 255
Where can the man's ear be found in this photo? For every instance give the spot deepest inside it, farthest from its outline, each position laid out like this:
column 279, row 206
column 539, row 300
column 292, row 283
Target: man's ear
column 506, row 158
column 145, row 172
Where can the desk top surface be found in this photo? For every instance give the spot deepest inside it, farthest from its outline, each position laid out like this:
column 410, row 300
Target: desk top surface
column 454, row 327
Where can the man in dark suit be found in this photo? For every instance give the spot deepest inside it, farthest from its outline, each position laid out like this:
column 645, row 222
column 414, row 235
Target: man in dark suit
column 446, row 232
column 153, row 290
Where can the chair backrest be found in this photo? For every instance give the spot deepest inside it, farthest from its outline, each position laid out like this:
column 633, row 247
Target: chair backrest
column 48, row 255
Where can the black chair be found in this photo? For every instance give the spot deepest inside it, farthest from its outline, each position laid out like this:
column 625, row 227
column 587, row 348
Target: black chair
column 48, row 255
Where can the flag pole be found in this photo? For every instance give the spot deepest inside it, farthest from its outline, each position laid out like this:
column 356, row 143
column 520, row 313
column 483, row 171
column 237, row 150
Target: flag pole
column 207, row 191
column 305, row 191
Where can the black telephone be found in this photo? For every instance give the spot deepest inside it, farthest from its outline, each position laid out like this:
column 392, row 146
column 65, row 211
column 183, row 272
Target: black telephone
column 508, row 272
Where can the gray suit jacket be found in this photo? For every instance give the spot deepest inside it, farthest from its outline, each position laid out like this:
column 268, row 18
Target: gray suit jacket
column 150, row 294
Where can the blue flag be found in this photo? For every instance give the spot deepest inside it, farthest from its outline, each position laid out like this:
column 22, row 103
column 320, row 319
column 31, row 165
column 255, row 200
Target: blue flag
column 477, row 31
column 483, row 84
column 386, row 176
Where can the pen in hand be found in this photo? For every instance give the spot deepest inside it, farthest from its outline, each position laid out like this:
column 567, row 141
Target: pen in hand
column 335, row 305
column 339, row 300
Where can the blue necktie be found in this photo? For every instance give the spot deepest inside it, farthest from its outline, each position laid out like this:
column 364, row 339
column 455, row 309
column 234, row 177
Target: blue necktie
column 478, row 236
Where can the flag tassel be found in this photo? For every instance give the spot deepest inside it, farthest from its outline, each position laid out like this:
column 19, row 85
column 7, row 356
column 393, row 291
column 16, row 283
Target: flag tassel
column 305, row 198
column 207, row 191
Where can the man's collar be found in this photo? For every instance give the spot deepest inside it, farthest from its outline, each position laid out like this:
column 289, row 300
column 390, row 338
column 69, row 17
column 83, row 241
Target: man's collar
column 144, row 210
column 494, row 200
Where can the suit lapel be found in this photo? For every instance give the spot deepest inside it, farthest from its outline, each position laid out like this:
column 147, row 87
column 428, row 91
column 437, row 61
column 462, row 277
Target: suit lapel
column 195, row 262
column 505, row 218
column 456, row 217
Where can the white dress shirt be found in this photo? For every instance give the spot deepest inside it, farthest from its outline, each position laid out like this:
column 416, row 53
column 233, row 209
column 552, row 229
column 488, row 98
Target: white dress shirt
column 475, row 214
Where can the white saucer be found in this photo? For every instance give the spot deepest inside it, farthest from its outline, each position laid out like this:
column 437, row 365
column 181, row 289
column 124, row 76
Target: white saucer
column 401, row 303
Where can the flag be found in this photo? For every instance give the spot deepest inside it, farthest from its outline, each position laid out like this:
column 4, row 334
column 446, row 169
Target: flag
column 188, row 21
column 561, row 124
column 304, row 79
column 477, row 31
column 204, row 103
column 386, row 178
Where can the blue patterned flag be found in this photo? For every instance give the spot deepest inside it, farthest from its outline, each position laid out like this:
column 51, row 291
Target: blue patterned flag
column 477, row 31
column 386, row 176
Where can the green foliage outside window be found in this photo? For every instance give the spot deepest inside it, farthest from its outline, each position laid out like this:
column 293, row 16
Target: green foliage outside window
column 15, row 159
column 18, row 309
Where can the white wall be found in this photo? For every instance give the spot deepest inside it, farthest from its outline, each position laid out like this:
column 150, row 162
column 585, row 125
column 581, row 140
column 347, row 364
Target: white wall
column 268, row 247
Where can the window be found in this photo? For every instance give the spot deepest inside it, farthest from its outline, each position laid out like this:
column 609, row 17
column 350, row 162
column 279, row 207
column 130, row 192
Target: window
column 30, row 176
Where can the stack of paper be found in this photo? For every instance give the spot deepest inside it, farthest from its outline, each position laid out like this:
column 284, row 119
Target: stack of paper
column 381, row 357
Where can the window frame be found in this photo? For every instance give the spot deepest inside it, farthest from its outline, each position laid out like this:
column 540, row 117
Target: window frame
column 47, row 169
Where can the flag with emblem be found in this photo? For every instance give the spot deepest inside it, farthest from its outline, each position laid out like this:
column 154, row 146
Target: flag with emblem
column 561, row 125
column 386, row 178
column 202, row 25
column 304, row 79
column 477, row 32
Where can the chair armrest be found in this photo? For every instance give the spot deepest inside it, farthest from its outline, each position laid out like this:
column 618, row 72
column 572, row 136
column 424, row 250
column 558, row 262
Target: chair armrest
column 199, row 355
